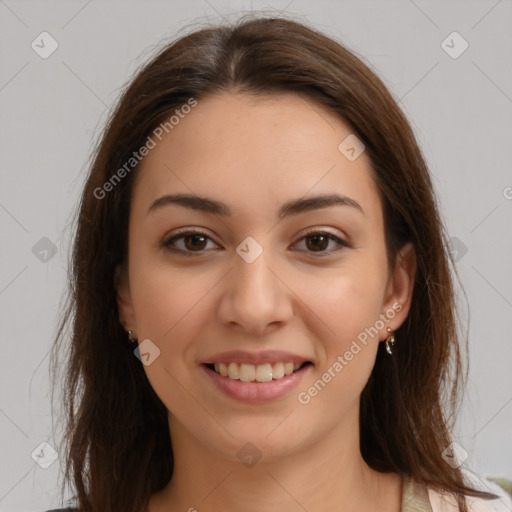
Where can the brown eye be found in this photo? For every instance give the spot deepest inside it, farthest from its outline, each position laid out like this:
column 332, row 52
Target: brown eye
column 194, row 242
column 318, row 241
column 187, row 242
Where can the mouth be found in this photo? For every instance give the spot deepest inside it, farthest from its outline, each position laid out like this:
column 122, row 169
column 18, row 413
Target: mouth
column 257, row 384
column 257, row 373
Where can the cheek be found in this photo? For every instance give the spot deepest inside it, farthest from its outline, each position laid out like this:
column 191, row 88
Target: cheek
column 169, row 309
column 346, row 301
column 161, row 300
column 350, row 308
column 165, row 297
column 348, row 304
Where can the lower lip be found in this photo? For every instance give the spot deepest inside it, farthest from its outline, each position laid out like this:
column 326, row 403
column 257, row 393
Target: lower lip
column 257, row 392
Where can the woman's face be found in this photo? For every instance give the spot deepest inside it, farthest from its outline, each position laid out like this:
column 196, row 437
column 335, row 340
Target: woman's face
column 265, row 281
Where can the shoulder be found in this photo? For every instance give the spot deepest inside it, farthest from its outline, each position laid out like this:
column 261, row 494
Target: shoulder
column 442, row 502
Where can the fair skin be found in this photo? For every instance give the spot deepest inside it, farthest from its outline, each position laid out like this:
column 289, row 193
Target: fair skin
column 254, row 155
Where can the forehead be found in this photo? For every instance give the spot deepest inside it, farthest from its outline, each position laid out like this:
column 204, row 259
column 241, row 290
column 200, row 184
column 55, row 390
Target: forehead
column 256, row 153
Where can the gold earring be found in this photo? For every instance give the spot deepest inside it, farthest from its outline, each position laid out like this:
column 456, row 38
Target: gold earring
column 130, row 339
column 390, row 341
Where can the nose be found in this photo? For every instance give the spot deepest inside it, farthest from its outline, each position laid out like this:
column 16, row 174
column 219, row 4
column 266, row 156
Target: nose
column 256, row 298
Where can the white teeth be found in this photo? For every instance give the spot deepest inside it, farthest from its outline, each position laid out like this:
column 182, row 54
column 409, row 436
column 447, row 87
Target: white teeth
column 264, row 372
column 233, row 372
column 247, row 372
column 278, row 370
column 259, row 373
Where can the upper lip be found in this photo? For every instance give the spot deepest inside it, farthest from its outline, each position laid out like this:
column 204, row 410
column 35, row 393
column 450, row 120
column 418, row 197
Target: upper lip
column 256, row 358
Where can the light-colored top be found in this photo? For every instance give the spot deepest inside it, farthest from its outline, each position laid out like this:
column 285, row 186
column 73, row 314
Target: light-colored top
column 418, row 498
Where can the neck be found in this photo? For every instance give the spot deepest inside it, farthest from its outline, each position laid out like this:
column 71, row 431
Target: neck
column 328, row 475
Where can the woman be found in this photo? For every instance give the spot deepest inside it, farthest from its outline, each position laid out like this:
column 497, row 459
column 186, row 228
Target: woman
column 262, row 309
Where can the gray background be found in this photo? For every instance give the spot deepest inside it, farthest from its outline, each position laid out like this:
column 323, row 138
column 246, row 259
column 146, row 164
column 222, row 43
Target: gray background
column 53, row 109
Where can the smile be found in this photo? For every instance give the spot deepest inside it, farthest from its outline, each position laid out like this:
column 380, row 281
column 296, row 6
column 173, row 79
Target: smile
column 256, row 373
column 253, row 390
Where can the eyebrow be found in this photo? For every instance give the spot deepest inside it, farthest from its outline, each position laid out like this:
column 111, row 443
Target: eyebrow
column 293, row 207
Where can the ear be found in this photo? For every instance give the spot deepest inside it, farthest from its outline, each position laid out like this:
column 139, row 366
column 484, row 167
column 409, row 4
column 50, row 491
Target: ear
column 400, row 289
column 124, row 299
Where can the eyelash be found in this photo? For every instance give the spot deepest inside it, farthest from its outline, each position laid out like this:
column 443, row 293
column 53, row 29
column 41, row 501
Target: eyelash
column 342, row 244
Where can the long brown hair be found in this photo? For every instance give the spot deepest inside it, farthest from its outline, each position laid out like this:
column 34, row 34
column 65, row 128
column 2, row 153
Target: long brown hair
column 117, row 447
